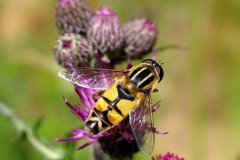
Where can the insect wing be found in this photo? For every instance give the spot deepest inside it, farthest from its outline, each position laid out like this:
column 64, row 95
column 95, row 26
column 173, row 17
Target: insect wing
column 94, row 78
column 141, row 121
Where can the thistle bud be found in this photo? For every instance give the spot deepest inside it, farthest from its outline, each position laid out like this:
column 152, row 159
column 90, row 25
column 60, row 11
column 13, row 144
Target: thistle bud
column 72, row 49
column 140, row 36
column 72, row 16
column 105, row 31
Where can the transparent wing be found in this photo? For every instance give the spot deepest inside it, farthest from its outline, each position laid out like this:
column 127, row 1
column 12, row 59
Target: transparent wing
column 94, row 78
column 141, row 121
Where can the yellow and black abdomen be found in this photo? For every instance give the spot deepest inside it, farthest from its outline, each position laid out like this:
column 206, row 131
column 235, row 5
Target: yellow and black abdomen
column 113, row 106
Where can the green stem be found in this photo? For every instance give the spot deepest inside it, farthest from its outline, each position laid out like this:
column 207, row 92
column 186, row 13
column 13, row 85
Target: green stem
column 172, row 46
column 22, row 129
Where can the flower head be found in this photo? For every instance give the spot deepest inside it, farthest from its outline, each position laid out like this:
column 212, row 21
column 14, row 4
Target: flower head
column 140, row 36
column 72, row 16
column 119, row 138
column 105, row 31
column 168, row 156
column 74, row 48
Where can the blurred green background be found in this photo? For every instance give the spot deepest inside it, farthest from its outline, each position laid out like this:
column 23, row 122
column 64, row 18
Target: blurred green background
column 200, row 92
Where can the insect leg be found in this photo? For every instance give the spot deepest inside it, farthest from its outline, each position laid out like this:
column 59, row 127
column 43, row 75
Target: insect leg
column 140, row 98
column 155, row 90
column 99, row 94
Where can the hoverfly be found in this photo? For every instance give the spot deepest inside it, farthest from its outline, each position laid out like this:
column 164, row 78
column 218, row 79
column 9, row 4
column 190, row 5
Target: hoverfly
column 123, row 93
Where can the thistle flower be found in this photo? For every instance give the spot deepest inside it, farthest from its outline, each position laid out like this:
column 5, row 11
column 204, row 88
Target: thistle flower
column 75, row 48
column 168, row 156
column 140, row 36
column 72, row 16
column 117, row 141
column 105, row 31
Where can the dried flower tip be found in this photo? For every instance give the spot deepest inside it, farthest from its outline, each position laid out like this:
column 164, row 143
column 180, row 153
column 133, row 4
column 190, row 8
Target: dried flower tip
column 140, row 36
column 72, row 50
column 122, row 149
column 105, row 31
column 168, row 156
column 72, row 16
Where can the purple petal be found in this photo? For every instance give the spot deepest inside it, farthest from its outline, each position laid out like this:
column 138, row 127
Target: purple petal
column 86, row 144
column 127, row 135
column 129, row 65
column 85, row 95
column 156, row 106
column 77, row 111
column 157, row 132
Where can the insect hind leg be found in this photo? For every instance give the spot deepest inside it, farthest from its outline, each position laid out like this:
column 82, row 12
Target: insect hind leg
column 99, row 94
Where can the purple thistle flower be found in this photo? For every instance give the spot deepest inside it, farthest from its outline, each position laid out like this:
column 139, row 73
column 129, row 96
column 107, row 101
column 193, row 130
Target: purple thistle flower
column 72, row 16
column 117, row 141
column 140, row 36
column 105, row 31
column 75, row 48
column 168, row 156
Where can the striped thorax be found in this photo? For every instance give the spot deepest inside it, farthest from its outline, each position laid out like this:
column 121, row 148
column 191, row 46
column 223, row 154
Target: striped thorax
column 146, row 75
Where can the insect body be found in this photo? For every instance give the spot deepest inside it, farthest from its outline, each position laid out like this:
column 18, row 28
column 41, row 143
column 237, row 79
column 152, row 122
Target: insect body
column 123, row 93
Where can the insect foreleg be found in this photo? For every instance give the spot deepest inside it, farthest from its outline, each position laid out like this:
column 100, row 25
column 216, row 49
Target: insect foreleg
column 140, row 98
column 99, row 94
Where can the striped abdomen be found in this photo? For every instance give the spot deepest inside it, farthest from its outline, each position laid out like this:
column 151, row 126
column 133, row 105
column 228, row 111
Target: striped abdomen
column 110, row 109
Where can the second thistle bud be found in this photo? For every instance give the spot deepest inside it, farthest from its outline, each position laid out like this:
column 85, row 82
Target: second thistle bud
column 72, row 49
column 105, row 31
column 140, row 36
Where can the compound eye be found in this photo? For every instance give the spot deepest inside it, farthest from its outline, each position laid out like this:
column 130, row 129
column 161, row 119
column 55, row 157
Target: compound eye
column 160, row 72
column 148, row 61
